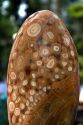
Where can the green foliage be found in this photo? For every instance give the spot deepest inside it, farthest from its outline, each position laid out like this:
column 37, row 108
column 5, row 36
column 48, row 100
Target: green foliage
column 3, row 113
column 35, row 4
column 81, row 67
column 81, row 60
column 7, row 27
column 76, row 10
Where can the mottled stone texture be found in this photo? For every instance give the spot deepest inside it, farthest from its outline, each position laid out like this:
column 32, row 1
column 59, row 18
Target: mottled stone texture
column 43, row 76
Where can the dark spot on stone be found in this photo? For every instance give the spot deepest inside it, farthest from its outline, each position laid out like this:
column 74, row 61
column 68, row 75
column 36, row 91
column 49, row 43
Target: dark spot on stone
column 27, row 70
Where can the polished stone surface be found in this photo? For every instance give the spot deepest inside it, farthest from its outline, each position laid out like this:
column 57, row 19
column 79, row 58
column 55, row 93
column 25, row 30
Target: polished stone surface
column 43, row 73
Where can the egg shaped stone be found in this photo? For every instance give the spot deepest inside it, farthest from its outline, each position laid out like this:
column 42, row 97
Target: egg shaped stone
column 43, row 73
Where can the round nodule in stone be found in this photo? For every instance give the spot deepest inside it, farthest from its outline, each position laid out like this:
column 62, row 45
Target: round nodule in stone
column 34, row 29
column 17, row 111
column 11, row 106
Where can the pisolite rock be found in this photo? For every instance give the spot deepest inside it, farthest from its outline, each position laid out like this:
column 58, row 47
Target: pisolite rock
column 43, row 74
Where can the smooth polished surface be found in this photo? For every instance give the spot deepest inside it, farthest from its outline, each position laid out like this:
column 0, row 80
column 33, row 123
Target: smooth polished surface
column 43, row 74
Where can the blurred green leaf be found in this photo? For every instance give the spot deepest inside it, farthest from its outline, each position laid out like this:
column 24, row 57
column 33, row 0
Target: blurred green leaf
column 7, row 27
column 80, row 60
column 76, row 10
column 80, row 44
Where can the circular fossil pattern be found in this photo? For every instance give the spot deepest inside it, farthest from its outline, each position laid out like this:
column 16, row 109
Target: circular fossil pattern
column 34, row 29
column 42, row 72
